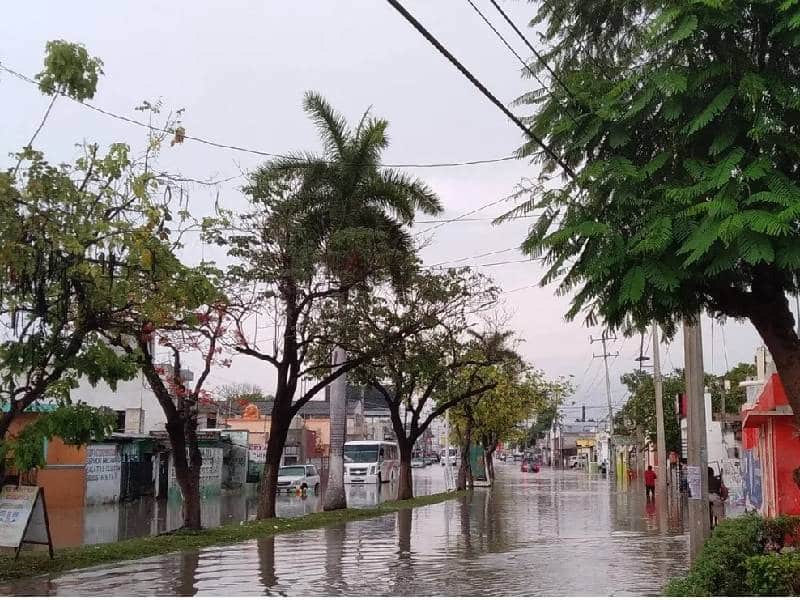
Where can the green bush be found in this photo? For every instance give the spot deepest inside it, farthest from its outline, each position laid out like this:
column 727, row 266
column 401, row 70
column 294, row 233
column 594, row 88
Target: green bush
column 773, row 574
column 719, row 569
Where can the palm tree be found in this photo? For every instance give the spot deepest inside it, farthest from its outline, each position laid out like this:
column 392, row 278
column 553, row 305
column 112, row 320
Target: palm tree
column 357, row 213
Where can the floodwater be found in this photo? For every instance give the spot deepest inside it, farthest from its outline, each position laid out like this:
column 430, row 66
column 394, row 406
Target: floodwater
column 106, row 523
column 556, row 533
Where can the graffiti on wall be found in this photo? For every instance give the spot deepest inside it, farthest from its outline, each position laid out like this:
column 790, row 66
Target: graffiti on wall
column 751, row 473
column 210, row 472
column 734, row 480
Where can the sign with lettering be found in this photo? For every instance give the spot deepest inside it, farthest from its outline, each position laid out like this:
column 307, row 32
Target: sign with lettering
column 23, row 518
column 103, row 473
column 694, row 481
column 210, row 471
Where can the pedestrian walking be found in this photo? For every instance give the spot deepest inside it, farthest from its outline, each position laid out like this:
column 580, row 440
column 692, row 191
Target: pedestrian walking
column 716, row 507
column 650, row 483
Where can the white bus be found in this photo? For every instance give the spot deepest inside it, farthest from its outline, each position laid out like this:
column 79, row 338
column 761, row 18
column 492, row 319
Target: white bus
column 371, row 461
column 452, row 453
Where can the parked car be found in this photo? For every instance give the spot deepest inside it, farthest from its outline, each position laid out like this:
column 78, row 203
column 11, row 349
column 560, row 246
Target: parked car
column 298, row 477
column 417, row 463
column 429, row 460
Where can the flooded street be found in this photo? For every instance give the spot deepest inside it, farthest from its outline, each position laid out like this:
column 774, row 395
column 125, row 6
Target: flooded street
column 106, row 523
column 552, row 533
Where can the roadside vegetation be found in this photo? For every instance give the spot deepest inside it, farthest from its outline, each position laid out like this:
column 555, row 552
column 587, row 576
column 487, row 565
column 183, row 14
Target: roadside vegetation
column 39, row 563
column 745, row 556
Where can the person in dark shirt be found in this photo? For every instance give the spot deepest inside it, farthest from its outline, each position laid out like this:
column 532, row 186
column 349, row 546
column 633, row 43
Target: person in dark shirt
column 650, row 483
column 714, row 498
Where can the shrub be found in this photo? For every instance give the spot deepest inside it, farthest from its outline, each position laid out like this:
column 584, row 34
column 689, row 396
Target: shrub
column 773, row 574
column 719, row 569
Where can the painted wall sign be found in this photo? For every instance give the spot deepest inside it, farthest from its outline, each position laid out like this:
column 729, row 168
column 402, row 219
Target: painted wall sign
column 103, row 473
column 23, row 518
column 210, row 471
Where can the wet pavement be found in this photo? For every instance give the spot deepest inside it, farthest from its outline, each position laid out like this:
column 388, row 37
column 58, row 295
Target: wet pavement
column 557, row 533
column 106, row 523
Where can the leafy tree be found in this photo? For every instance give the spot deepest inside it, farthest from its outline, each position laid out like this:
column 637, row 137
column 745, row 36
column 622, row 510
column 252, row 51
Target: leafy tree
column 352, row 204
column 276, row 275
column 418, row 341
column 680, row 120
column 736, row 396
column 64, row 231
column 495, row 415
column 638, row 416
column 238, row 395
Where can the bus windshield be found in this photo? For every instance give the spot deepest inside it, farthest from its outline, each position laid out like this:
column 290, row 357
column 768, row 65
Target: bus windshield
column 361, row 454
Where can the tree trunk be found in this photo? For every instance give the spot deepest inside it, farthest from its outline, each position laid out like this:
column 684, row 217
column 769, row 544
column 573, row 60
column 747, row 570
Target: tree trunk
column 489, row 448
column 187, row 461
column 405, row 488
column 775, row 323
column 278, row 430
column 464, row 471
column 335, row 497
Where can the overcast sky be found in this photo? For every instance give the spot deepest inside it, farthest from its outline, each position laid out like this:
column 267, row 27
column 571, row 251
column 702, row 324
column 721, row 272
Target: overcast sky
column 240, row 70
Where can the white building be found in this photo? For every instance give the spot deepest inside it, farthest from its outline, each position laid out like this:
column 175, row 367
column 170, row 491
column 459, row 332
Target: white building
column 136, row 406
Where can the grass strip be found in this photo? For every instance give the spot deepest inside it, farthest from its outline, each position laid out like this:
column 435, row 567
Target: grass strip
column 33, row 563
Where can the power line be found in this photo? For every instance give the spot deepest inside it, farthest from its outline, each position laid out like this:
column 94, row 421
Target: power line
column 463, row 215
column 483, row 89
column 516, row 54
column 445, row 262
column 246, row 150
column 532, row 49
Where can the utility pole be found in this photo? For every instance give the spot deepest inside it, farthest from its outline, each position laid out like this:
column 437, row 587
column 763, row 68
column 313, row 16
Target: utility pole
column 603, row 339
column 697, row 467
column 661, row 470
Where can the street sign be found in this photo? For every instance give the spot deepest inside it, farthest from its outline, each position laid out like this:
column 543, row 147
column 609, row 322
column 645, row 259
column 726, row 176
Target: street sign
column 23, row 518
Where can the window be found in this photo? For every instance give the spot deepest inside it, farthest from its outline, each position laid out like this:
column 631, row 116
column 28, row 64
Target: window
column 211, row 421
column 361, row 453
column 120, row 425
column 291, row 472
column 311, row 471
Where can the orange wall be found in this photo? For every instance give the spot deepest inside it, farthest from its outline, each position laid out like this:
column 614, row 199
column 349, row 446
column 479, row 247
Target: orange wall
column 322, row 427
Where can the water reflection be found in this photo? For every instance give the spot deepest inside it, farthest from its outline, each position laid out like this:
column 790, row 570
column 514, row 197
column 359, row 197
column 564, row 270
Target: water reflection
column 106, row 523
column 552, row 533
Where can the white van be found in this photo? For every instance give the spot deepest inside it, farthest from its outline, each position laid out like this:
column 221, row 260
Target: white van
column 452, row 454
column 370, row 461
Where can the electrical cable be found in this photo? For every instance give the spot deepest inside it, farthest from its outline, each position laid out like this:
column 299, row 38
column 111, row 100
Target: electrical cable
column 532, row 49
column 243, row 149
column 516, row 54
column 482, row 88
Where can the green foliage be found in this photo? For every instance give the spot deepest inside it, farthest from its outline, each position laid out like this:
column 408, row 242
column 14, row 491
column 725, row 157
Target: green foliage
column 686, row 197
column 76, row 424
column 638, row 415
column 68, row 69
column 774, row 574
column 351, row 211
column 733, row 561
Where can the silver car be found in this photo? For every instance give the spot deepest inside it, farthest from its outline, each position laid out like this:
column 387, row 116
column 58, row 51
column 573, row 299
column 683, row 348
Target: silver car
column 297, row 477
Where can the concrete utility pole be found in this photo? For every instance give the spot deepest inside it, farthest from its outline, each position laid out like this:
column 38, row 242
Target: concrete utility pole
column 697, row 467
column 661, row 470
column 604, row 339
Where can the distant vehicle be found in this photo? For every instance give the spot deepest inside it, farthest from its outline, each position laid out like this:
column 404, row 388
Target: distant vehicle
column 417, row 463
column 517, row 456
column 449, row 455
column 370, row 461
column 577, row 462
column 429, row 460
column 298, row 477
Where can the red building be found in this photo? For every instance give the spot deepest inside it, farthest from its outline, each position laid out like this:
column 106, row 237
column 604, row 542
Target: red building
column 771, row 443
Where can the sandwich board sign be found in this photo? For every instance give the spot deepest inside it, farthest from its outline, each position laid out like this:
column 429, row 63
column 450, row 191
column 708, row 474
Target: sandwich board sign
column 23, row 518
